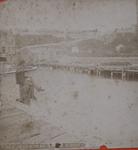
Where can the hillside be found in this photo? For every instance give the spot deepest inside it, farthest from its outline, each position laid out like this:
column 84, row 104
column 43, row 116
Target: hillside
column 26, row 40
column 117, row 44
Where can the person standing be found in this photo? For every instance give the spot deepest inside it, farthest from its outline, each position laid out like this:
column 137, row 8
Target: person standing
column 3, row 59
column 20, row 78
column 28, row 88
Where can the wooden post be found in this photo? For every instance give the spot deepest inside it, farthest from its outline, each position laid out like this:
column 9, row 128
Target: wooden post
column 112, row 74
column 133, row 75
column 122, row 73
column 1, row 76
column 99, row 73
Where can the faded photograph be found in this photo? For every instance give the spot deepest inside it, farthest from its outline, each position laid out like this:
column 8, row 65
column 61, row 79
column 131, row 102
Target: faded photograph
column 69, row 73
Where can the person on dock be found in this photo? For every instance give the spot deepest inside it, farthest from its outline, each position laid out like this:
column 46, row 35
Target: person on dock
column 28, row 90
column 20, row 78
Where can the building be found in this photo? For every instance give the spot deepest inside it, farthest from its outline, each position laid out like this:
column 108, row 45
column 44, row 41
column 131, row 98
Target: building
column 7, row 45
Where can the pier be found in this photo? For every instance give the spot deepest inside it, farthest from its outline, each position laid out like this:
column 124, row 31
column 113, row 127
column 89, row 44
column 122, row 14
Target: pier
column 122, row 72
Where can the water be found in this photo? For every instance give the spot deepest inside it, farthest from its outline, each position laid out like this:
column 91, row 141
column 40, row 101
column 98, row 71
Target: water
column 95, row 110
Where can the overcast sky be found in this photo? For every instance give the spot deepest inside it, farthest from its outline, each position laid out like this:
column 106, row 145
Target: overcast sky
column 67, row 14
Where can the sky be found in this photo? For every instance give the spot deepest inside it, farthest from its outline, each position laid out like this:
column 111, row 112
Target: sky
column 70, row 15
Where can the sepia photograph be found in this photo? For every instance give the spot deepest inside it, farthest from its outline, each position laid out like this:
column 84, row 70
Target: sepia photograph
column 68, row 74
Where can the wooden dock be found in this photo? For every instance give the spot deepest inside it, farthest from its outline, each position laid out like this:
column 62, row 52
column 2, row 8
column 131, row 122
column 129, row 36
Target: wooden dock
column 123, row 72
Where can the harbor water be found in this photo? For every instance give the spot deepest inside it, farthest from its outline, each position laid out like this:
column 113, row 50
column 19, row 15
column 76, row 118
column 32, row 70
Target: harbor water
column 93, row 109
